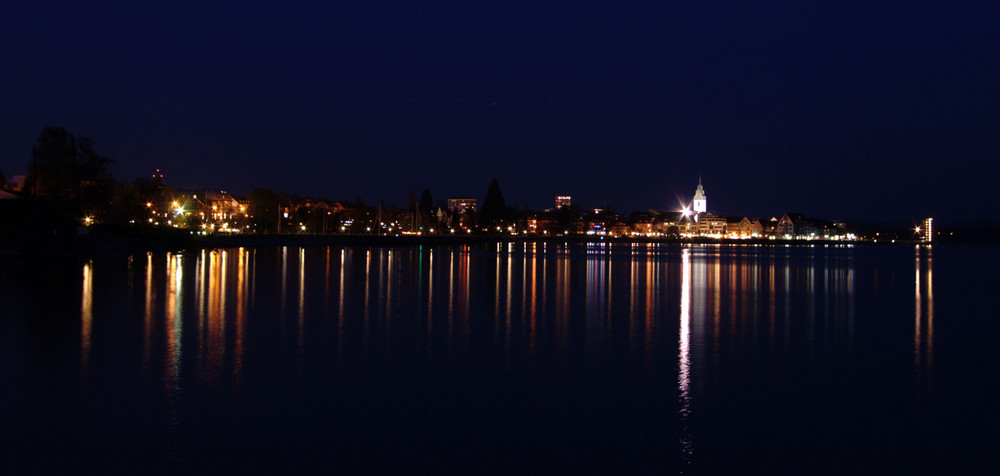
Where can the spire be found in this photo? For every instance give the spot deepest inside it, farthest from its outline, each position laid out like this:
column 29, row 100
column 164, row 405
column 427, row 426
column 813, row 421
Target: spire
column 700, row 199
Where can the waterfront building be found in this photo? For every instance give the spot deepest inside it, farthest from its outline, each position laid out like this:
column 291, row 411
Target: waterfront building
column 927, row 230
column 711, row 225
column 744, row 227
column 733, row 226
column 563, row 201
column 791, row 224
column 751, row 228
column 686, row 226
column 770, row 226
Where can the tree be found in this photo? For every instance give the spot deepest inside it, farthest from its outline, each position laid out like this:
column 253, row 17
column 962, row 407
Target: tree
column 127, row 207
column 494, row 208
column 567, row 216
column 152, row 191
column 426, row 210
column 64, row 168
column 96, row 186
column 52, row 169
column 426, row 203
column 263, row 209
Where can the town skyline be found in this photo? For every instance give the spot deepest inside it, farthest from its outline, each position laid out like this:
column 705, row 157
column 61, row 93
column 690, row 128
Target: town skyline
column 23, row 187
column 217, row 209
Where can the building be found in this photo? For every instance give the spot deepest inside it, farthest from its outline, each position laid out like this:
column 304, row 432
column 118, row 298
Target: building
column 460, row 205
column 733, row 226
column 563, row 201
column 927, row 230
column 751, row 228
column 700, row 199
column 711, row 225
column 770, row 226
column 744, row 227
column 791, row 224
column 686, row 226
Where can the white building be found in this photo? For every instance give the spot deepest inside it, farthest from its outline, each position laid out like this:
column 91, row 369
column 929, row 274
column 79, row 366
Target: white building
column 700, row 199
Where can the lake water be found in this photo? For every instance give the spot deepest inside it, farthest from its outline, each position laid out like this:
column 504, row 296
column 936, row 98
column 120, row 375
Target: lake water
column 596, row 358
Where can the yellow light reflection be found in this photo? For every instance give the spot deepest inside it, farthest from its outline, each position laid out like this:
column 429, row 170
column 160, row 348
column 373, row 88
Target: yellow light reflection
column 923, row 320
column 930, row 307
column 507, row 315
column 302, row 300
column 340, row 309
column 367, row 310
column 388, row 302
column 86, row 314
column 430, row 303
column 173, row 325
column 917, row 314
column 466, row 282
column 451, row 298
column 241, row 297
column 284, row 279
column 147, row 318
column 534, row 303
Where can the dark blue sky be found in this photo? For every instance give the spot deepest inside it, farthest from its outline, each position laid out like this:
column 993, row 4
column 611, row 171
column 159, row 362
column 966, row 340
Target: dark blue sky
column 868, row 109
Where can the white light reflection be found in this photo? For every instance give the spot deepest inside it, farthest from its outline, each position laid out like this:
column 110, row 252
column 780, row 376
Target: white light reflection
column 173, row 326
column 684, row 358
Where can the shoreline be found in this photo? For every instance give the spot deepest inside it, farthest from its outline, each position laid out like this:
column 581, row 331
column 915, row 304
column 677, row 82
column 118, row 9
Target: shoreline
column 93, row 244
column 103, row 243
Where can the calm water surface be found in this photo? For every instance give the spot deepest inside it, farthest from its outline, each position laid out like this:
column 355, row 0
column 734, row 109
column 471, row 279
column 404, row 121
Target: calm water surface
column 505, row 357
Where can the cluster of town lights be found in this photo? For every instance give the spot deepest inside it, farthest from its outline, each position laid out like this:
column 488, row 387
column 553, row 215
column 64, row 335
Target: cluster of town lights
column 690, row 221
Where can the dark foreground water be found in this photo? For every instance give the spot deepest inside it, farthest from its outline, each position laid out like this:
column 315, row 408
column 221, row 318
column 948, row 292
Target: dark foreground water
column 502, row 358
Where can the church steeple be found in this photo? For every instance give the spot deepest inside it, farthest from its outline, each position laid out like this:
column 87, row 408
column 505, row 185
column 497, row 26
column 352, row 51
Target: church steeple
column 700, row 199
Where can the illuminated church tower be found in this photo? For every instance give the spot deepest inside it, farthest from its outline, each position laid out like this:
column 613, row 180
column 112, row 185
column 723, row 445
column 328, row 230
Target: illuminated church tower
column 700, row 199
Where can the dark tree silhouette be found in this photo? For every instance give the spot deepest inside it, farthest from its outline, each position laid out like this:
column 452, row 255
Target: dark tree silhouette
column 64, row 168
column 426, row 210
column 52, row 169
column 494, row 208
column 264, row 208
column 426, row 203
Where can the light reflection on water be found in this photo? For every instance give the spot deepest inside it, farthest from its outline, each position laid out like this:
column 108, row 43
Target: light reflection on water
column 923, row 322
column 684, row 316
column 535, row 294
column 684, row 358
column 86, row 316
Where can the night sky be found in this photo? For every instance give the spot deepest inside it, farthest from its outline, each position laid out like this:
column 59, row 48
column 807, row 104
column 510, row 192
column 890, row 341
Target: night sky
column 842, row 109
